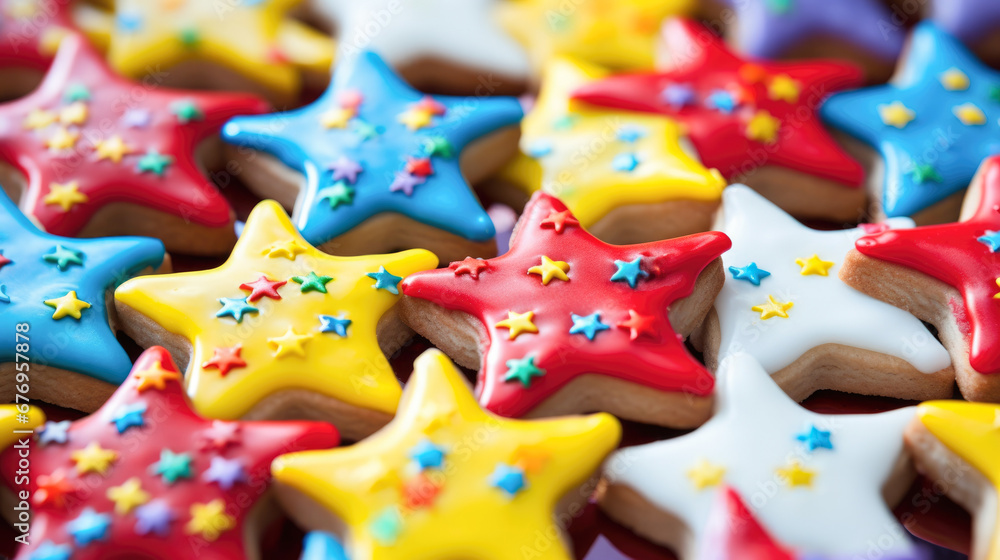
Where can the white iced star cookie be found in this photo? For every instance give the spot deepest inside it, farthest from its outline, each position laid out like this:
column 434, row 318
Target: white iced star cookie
column 784, row 304
column 816, row 481
column 443, row 46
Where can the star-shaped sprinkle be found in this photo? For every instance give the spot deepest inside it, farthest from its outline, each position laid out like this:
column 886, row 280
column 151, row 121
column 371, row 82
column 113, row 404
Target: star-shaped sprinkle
column 518, row 323
column 263, row 287
column 904, row 120
column 751, row 273
column 67, row 306
column 385, row 280
column 120, row 490
column 523, row 370
column 427, row 455
column 656, row 359
column 337, row 325
column 550, row 270
column 705, row 475
column 235, row 308
column 210, row 520
column 129, row 416
column 815, row 438
column 155, row 377
column 439, row 407
column 442, row 199
column 668, row 173
column 841, row 487
column 63, row 257
column 154, row 166
column 630, row 271
column 588, row 325
column 346, row 169
column 802, row 304
column 471, row 266
column 724, row 131
column 54, row 432
column 287, row 344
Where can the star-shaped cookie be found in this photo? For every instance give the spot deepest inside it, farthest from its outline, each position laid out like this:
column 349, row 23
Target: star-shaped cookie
column 828, row 330
column 226, row 43
column 799, row 469
column 281, row 328
column 56, row 288
column 933, row 124
column 617, row 34
column 463, row 35
column 440, row 479
column 564, row 323
column 372, row 146
column 147, row 475
column 99, row 159
column 746, row 115
column 946, row 275
column 634, row 162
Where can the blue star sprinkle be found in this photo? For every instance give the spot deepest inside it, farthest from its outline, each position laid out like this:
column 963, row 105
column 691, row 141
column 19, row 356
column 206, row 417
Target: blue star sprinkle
column 129, row 416
column 942, row 122
column 751, row 273
column 815, row 439
column 322, row 546
column 372, row 117
column 629, row 271
column 89, row 526
column 625, row 162
column 54, row 432
column 49, row 550
column 235, row 308
column 88, row 346
column 385, row 281
column 337, row 325
column 427, row 455
column 589, row 325
column 722, row 100
column 509, row 479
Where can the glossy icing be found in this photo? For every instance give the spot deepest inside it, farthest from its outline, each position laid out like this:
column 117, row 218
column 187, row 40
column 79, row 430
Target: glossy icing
column 254, row 38
column 36, row 267
column 614, row 33
column 962, row 256
column 933, row 124
column 173, row 484
column 32, row 30
column 969, row 20
column 444, row 474
column 771, row 450
column 576, row 152
column 282, row 343
column 825, row 311
column 371, row 144
column 733, row 531
column 770, row 29
column 88, row 138
column 588, row 323
column 740, row 114
column 460, row 32
column 12, row 420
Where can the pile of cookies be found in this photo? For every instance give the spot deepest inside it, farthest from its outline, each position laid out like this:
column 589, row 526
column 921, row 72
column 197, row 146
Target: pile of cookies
column 724, row 208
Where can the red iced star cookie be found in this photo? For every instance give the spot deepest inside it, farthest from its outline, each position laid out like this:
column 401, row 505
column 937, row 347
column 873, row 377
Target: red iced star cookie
column 561, row 306
column 105, row 156
column 745, row 116
column 147, row 475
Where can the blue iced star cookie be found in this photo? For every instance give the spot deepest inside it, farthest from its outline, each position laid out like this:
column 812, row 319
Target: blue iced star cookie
column 933, row 125
column 371, row 144
column 57, row 285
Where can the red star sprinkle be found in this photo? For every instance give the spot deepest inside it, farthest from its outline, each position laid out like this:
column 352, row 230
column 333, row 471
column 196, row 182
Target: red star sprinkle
column 703, row 67
column 470, row 266
column 262, row 287
column 430, row 105
column 226, row 359
column 560, row 221
column 638, row 325
column 659, row 361
column 420, row 492
column 110, row 145
column 221, row 435
column 53, row 489
column 419, row 166
column 165, row 438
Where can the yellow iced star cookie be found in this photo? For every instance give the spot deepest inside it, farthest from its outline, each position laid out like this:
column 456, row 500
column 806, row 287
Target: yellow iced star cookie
column 446, row 479
column 254, row 39
column 597, row 160
column 13, row 421
column 300, row 323
column 619, row 34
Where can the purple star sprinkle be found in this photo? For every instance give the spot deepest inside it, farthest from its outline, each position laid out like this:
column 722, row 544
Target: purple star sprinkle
column 677, row 95
column 405, row 182
column 225, row 472
column 345, row 168
column 137, row 118
column 54, row 432
column 154, row 517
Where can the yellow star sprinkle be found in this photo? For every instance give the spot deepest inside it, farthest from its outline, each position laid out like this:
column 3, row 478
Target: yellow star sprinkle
column 795, row 475
column 763, row 127
column 93, row 459
column 336, row 118
column 896, row 114
column 352, row 370
column 518, row 323
column 814, row 265
column 113, row 148
column 969, row 114
column 773, row 308
column 344, row 481
column 209, row 520
column 128, row 496
column 954, row 79
column 784, row 88
column 63, row 139
column 39, row 118
column 550, row 269
column 67, row 305
column 75, row 113
column 706, row 475
column 155, row 377
column 415, row 119
column 66, row 195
